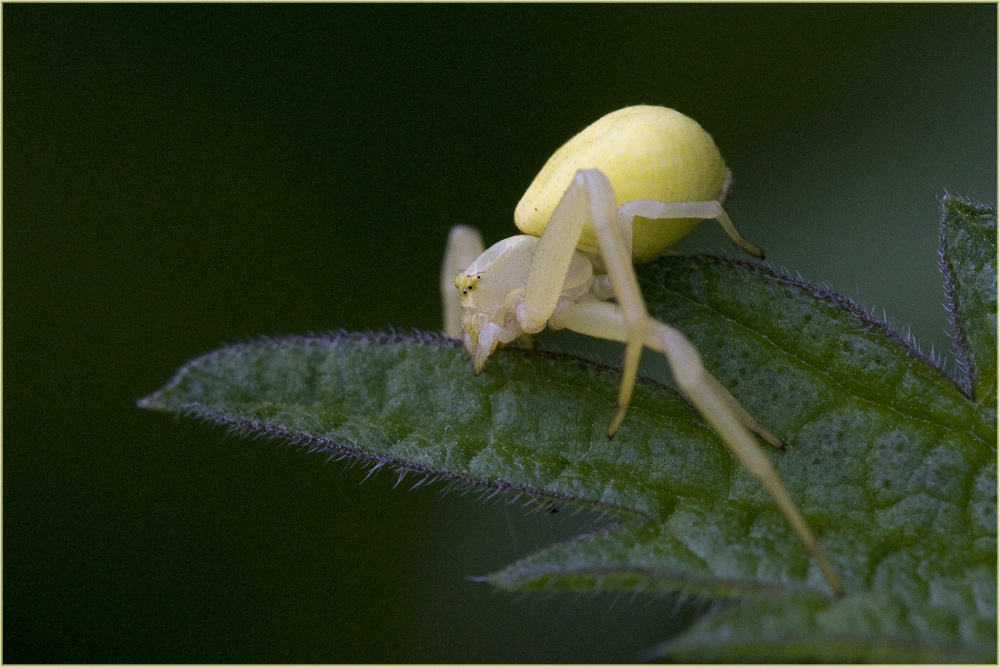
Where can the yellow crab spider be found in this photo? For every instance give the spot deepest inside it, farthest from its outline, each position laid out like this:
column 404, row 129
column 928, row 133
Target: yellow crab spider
column 622, row 190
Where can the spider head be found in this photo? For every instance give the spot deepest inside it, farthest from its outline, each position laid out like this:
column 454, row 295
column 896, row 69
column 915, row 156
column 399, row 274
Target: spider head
column 466, row 284
column 490, row 291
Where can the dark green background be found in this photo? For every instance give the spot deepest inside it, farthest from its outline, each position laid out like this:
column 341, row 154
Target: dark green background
column 179, row 177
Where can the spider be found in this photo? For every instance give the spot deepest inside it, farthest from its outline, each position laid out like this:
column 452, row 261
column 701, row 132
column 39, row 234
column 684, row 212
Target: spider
column 622, row 190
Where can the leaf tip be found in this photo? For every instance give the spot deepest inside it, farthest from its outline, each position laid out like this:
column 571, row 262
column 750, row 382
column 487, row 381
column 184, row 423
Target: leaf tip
column 151, row 402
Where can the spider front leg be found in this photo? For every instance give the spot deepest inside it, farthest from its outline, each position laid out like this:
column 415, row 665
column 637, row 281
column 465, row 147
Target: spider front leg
column 713, row 402
column 612, row 228
column 589, row 198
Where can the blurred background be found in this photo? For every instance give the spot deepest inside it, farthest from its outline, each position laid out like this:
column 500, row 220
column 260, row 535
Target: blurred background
column 177, row 177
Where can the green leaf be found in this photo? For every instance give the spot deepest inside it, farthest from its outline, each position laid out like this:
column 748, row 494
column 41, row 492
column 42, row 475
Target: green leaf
column 533, row 424
column 968, row 263
column 918, row 622
column 892, row 462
